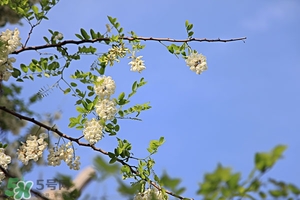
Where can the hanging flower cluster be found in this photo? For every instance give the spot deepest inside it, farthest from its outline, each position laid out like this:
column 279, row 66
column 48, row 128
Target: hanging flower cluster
column 9, row 41
column 93, row 131
column 137, row 64
column 33, row 148
column 196, row 62
column 149, row 194
column 106, row 109
column 4, row 161
column 66, row 153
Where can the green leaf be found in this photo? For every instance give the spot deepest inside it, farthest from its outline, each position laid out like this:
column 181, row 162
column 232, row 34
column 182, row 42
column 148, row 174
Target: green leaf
column 134, row 86
column 66, row 91
column 121, row 96
column 102, row 70
column 35, row 9
column 73, row 84
column 84, row 34
column 186, row 23
column 81, row 109
column 112, row 20
column 16, row 73
column 189, row 27
column 278, row 151
column 93, row 34
column 24, row 68
column 79, row 36
column 190, row 34
column 171, row 49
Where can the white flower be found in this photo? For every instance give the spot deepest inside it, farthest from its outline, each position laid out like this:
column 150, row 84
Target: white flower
column 32, row 149
column 106, row 109
column 196, row 62
column 149, row 194
column 66, row 153
column 9, row 40
column 59, row 36
column 4, row 161
column 137, row 65
column 93, row 131
column 104, row 86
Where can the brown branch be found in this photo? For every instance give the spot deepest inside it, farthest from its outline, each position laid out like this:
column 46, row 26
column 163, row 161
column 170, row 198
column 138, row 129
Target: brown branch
column 35, row 192
column 22, row 117
column 60, row 44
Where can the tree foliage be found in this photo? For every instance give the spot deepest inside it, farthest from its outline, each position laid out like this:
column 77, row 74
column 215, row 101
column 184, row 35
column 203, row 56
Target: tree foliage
column 99, row 112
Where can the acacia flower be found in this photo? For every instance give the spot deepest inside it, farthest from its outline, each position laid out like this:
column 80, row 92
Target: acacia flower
column 93, row 131
column 4, row 161
column 149, row 194
column 104, row 86
column 106, row 109
column 137, row 64
column 196, row 62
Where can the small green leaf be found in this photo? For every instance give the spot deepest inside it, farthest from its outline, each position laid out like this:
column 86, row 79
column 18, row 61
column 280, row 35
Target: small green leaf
column 121, row 96
column 84, row 34
column 186, row 23
column 35, row 9
column 73, row 84
column 189, row 27
column 24, row 68
column 80, row 109
column 79, row 36
column 16, row 73
column 134, row 86
column 66, row 91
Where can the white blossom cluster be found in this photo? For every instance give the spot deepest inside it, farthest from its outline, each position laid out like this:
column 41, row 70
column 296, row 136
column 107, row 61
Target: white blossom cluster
column 116, row 52
column 196, row 62
column 137, row 64
column 66, row 153
column 149, row 194
column 9, row 41
column 106, row 109
column 104, row 87
column 33, row 148
column 4, row 161
column 93, row 131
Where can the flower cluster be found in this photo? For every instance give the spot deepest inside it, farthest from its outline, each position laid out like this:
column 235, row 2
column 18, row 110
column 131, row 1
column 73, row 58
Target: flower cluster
column 137, row 65
column 66, row 153
column 93, row 131
column 114, row 54
column 4, row 161
column 196, row 62
column 104, row 87
column 149, row 194
column 9, row 41
column 33, row 148
column 106, row 109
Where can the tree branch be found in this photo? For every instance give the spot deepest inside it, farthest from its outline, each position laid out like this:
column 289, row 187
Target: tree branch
column 22, row 117
column 60, row 44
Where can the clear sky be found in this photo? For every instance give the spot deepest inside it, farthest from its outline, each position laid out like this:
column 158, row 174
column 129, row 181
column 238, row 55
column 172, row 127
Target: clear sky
column 247, row 101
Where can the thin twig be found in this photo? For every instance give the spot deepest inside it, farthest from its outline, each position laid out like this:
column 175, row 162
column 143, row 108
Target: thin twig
column 60, row 44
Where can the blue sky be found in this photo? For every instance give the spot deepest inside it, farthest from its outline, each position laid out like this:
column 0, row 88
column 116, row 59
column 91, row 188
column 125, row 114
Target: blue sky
column 247, row 101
